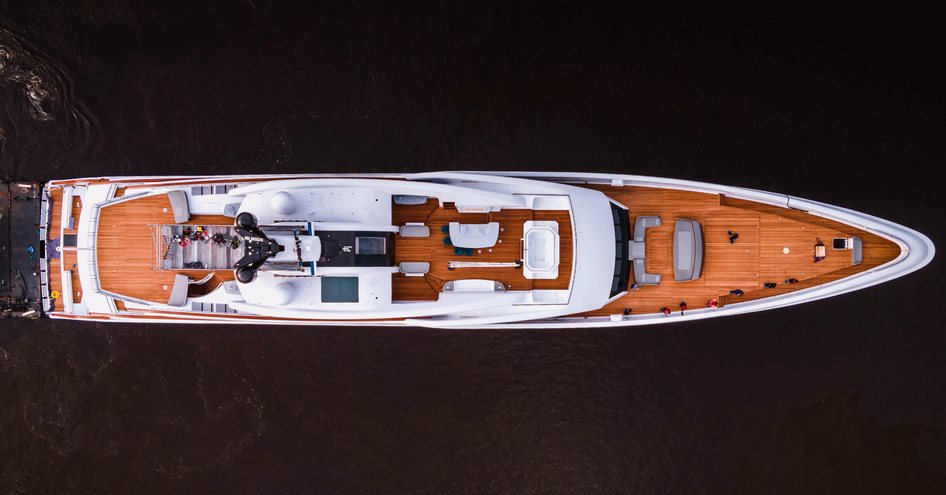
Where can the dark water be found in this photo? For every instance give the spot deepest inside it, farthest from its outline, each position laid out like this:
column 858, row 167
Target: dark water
column 846, row 395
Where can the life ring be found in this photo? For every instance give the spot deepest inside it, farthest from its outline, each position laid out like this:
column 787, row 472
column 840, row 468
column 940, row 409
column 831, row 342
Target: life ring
column 54, row 294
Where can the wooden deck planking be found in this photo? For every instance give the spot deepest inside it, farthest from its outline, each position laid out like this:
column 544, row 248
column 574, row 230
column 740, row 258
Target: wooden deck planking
column 76, row 212
column 55, row 212
column 433, row 249
column 402, row 214
column 70, row 260
column 125, row 251
column 409, row 249
column 756, row 257
column 779, row 233
column 507, row 249
column 404, row 288
column 66, row 256
column 728, row 264
column 876, row 251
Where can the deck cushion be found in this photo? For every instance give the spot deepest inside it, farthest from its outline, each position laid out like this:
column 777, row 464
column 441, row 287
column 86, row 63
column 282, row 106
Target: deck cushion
column 414, row 268
column 408, row 199
column 642, row 224
column 642, row 277
column 474, row 235
column 687, row 250
column 179, row 206
column 178, row 296
column 638, row 249
column 415, row 230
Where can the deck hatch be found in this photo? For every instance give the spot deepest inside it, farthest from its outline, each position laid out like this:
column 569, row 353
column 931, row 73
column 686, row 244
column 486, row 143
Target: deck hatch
column 339, row 289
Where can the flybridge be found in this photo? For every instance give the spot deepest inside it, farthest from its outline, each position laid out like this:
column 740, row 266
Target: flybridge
column 22, row 249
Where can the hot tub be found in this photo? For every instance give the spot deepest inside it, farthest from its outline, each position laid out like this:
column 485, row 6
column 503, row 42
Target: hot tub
column 540, row 249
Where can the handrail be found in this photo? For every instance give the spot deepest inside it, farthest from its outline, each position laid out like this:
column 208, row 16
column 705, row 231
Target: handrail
column 91, row 245
column 44, row 224
column 122, row 199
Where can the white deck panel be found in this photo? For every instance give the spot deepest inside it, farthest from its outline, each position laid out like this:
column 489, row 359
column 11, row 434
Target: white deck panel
column 350, row 205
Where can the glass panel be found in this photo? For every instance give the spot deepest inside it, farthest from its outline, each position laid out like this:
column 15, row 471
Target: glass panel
column 369, row 245
column 339, row 289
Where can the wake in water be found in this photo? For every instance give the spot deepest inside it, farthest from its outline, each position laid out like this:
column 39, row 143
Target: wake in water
column 30, row 83
column 39, row 117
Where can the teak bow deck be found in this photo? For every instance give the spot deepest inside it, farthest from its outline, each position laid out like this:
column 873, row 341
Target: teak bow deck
column 774, row 245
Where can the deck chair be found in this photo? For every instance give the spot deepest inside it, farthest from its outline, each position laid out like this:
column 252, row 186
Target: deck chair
column 414, row 268
column 414, row 229
column 178, row 296
column 639, row 249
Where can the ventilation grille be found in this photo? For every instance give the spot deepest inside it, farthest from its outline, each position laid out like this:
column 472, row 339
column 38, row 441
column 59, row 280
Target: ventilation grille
column 212, row 308
column 212, row 189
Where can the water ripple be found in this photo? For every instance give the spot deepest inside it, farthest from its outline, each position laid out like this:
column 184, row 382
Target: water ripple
column 39, row 109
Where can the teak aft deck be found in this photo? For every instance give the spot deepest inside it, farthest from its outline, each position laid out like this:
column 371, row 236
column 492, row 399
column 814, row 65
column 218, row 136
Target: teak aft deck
column 774, row 244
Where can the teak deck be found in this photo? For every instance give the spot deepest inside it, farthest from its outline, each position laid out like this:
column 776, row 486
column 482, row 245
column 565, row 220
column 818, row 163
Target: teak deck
column 125, row 252
column 126, row 262
column 124, row 249
column 66, row 256
column 433, row 249
column 756, row 257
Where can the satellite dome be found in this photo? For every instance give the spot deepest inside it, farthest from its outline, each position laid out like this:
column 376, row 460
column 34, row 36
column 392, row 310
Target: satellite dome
column 283, row 293
column 283, row 203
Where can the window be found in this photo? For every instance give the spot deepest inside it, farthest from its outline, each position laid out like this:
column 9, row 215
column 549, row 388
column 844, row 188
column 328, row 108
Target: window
column 369, row 245
column 622, row 237
column 339, row 289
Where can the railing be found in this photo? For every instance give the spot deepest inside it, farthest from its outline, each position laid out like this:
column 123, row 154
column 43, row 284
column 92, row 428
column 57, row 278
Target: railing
column 46, row 206
column 91, row 241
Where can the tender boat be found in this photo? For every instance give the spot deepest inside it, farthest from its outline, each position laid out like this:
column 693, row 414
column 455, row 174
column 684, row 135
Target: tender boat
column 448, row 250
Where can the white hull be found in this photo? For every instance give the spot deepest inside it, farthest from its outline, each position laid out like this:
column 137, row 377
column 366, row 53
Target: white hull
column 916, row 250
